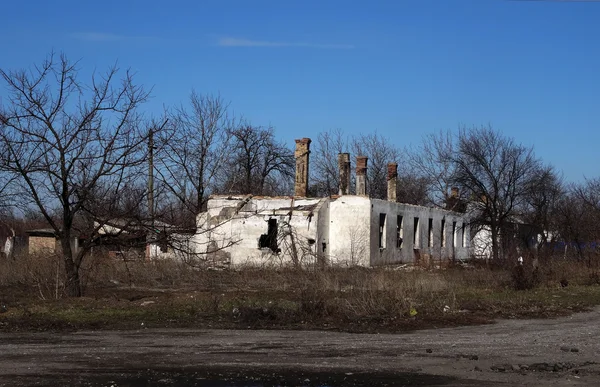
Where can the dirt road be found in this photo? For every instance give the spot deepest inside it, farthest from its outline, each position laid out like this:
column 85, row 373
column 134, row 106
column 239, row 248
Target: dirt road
column 558, row 352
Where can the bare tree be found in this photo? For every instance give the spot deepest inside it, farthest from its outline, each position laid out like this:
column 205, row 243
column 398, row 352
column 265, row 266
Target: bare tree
column 578, row 220
column 259, row 164
column 377, row 148
column 6, row 192
column 496, row 173
column 413, row 189
column 69, row 142
column 577, row 216
column 325, row 175
column 589, row 193
column 380, row 152
column 431, row 165
column 6, row 177
column 545, row 192
column 193, row 153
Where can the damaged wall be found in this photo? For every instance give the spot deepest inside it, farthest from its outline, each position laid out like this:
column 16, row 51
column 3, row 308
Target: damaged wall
column 372, row 232
column 346, row 230
column 402, row 233
column 261, row 231
column 349, row 230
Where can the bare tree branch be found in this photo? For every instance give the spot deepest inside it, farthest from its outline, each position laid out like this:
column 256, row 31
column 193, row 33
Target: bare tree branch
column 69, row 143
column 259, row 164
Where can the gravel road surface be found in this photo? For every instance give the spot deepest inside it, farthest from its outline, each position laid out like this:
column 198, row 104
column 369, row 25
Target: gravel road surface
column 555, row 352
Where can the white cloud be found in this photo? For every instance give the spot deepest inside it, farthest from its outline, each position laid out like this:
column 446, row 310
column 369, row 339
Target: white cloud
column 240, row 42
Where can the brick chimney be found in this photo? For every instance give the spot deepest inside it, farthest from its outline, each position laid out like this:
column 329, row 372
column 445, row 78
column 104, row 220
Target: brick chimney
column 454, row 192
column 392, row 181
column 361, row 175
column 301, row 154
column 344, row 168
column 453, row 202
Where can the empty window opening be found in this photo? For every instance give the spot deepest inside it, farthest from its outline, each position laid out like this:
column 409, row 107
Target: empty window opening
column 463, row 239
column 269, row 240
column 453, row 234
column 399, row 231
column 430, row 232
column 443, row 233
column 163, row 242
column 416, row 237
column 382, row 231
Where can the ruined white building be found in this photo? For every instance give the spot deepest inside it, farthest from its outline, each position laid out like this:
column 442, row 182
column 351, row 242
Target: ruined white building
column 339, row 230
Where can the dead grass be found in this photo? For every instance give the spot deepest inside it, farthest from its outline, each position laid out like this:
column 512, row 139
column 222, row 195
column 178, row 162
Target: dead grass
column 126, row 295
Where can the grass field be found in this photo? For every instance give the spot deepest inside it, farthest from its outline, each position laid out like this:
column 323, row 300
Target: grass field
column 134, row 295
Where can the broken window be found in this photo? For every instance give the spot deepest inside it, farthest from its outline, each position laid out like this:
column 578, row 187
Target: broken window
column 416, row 237
column 382, row 233
column 399, row 231
column 430, row 232
column 443, row 233
column 269, row 240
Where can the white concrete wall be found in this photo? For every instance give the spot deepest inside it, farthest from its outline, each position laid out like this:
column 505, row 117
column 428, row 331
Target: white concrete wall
column 178, row 247
column 322, row 242
column 350, row 231
column 424, row 245
column 235, row 227
column 342, row 231
column 482, row 243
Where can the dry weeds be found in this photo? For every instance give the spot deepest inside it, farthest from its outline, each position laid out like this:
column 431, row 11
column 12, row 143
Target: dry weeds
column 125, row 294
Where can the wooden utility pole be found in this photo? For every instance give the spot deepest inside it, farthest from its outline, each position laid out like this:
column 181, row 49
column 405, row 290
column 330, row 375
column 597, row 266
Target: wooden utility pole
column 151, row 175
column 150, row 235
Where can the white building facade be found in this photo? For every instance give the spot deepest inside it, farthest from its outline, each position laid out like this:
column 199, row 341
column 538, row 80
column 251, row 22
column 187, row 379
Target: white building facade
column 348, row 230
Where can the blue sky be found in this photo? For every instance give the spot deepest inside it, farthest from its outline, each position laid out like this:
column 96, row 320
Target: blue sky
column 404, row 68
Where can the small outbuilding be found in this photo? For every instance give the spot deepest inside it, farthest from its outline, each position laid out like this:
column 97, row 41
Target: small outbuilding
column 45, row 240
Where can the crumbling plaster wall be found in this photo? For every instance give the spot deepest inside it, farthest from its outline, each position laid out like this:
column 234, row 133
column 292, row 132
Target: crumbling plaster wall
column 236, row 224
column 349, row 230
column 482, row 243
column 323, row 221
column 177, row 247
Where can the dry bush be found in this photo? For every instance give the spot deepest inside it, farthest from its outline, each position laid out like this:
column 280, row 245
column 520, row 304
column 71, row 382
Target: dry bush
column 477, row 278
column 291, row 295
column 525, row 277
column 44, row 273
column 355, row 292
column 564, row 270
column 102, row 270
column 301, row 294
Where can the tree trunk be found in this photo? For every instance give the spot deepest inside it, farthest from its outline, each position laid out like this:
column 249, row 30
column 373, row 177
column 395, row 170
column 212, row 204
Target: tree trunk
column 73, row 285
column 495, row 245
